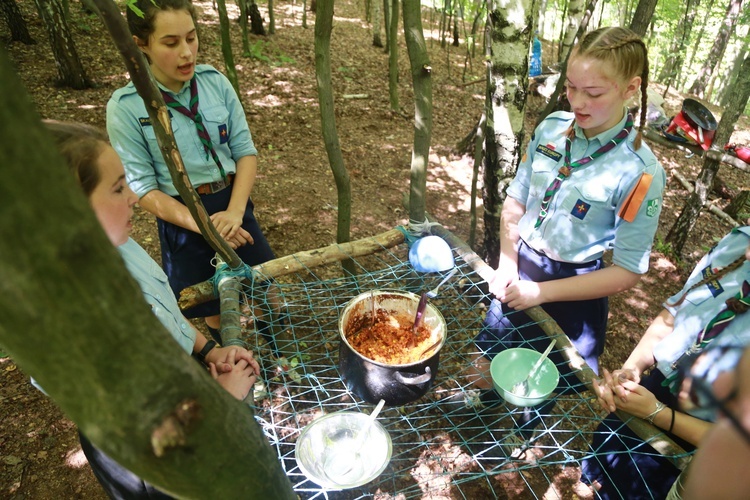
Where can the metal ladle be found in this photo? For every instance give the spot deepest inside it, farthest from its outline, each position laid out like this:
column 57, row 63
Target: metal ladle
column 423, row 301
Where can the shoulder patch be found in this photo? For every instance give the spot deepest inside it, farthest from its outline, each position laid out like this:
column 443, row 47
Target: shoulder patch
column 634, row 199
column 652, row 208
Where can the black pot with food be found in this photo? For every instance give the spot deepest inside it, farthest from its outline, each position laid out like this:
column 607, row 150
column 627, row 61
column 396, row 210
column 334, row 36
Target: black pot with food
column 378, row 356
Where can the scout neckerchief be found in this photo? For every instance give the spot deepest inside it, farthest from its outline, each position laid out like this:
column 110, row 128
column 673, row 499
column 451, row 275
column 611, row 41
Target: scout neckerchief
column 734, row 306
column 196, row 117
column 568, row 167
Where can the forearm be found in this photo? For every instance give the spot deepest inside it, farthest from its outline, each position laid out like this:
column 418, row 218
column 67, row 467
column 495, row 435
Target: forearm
column 685, row 426
column 168, row 209
column 601, row 283
column 643, row 355
column 244, row 180
column 511, row 213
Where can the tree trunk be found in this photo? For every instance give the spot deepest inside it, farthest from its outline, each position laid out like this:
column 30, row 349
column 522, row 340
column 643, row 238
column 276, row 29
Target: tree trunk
column 323, row 27
column 422, row 82
column 737, row 207
column 17, row 26
column 376, row 17
column 304, row 13
column 271, row 18
column 642, row 17
column 680, row 231
column 226, row 48
column 72, row 317
column 724, row 95
column 717, row 50
column 256, row 20
column 69, row 65
column 575, row 12
column 677, row 49
column 507, row 85
column 387, row 24
column 244, row 14
column 541, row 20
column 393, row 58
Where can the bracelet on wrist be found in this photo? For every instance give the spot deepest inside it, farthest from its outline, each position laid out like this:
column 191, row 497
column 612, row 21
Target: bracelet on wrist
column 659, row 407
column 671, row 424
column 206, row 349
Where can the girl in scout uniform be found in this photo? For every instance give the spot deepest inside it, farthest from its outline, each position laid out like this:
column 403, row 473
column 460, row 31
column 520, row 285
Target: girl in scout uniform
column 214, row 140
column 707, row 315
column 586, row 184
column 101, row 176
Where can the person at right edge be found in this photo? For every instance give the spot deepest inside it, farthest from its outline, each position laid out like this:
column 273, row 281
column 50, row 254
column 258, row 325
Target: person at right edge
column 587, row 184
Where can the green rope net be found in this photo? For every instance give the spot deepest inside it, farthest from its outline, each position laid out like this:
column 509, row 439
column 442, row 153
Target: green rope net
column 446, row 444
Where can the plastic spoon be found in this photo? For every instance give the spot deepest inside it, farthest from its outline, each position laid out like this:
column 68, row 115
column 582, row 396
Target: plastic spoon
column 342, row 462
column 522, row 388
column 429, row 295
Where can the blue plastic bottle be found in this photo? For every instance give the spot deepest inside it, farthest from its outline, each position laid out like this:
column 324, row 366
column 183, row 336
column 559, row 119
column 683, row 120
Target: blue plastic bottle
column 536, row 58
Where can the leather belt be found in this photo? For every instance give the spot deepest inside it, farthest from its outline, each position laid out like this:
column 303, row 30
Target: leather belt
column 215, row 187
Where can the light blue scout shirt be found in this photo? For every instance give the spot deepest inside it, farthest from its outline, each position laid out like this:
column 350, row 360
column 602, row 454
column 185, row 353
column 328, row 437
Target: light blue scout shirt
column 702, row 304
column 583, row 219
column 158, row 294
column 133, row 137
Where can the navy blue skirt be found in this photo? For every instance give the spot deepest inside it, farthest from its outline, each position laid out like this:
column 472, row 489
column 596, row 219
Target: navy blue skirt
column 583, row 321
column 186, row 256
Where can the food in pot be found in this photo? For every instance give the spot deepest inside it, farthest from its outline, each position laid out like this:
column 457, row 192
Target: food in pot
column 386, row 340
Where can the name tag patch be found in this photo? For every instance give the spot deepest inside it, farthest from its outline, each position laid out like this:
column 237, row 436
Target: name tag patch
column 223, row 134
column 713, row 286
column 145, row 122
column 580, row 209
column 549, row 151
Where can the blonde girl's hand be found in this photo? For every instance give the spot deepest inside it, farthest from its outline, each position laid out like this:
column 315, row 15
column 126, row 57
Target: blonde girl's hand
column 604, row 390
column 220, row 356
column 501, row 278
column 523, row 294
column 620, row 376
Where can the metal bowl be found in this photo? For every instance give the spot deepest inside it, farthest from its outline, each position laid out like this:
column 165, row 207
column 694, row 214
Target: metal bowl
column 338, row 434
column 513, row 365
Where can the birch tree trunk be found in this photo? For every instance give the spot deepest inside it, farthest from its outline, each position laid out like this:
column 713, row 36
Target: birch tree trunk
column 422, row 82
column 509, row 39
column 73, row 318
column 717, row 49
column 323, row 27
column 575, row 12
column 740, row 92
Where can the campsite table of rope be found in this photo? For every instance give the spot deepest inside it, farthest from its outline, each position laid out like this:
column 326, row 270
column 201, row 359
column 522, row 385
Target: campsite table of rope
column 441, row 448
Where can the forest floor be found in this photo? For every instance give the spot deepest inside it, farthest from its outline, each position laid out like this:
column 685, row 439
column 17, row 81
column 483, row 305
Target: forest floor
column 295, row 195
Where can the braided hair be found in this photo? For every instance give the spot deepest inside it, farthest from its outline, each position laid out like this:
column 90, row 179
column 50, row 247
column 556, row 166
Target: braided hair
column 735, row 264
column 627, row 54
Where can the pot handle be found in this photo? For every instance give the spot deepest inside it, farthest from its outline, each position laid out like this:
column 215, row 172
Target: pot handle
column 419, row 379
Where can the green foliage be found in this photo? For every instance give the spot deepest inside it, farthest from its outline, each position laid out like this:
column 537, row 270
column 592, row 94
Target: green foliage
column 259, row 51
column 666, row 249
column 130, row 4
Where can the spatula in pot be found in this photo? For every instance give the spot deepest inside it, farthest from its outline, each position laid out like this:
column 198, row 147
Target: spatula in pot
column 522, row 388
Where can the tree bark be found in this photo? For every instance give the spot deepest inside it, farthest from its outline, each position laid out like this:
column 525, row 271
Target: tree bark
column 680, row 231
column 507, row 84
column 73, row 318
column 69, row 66
column 738, row 205
column 642, row 17
column 226, row 48
column 256, row 20
column 422, row 83
column 387, row 24
column 575, row 12
column 271, row 18
column 244, row 14
column 17, row 26
column 323, row 27
column 393, row 58
column 717, row 50
column 673, row 64
column 377, row 40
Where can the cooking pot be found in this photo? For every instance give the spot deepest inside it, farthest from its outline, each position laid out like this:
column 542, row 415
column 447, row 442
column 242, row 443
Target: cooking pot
column 698, row 115
column 372, row 380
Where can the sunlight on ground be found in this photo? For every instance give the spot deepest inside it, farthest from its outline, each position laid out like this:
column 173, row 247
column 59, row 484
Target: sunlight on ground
column 75, row 459
column 457, row 170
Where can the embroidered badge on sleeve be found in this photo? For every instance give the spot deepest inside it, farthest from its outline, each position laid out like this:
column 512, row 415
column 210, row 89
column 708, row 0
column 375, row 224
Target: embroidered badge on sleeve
column 652, row 208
